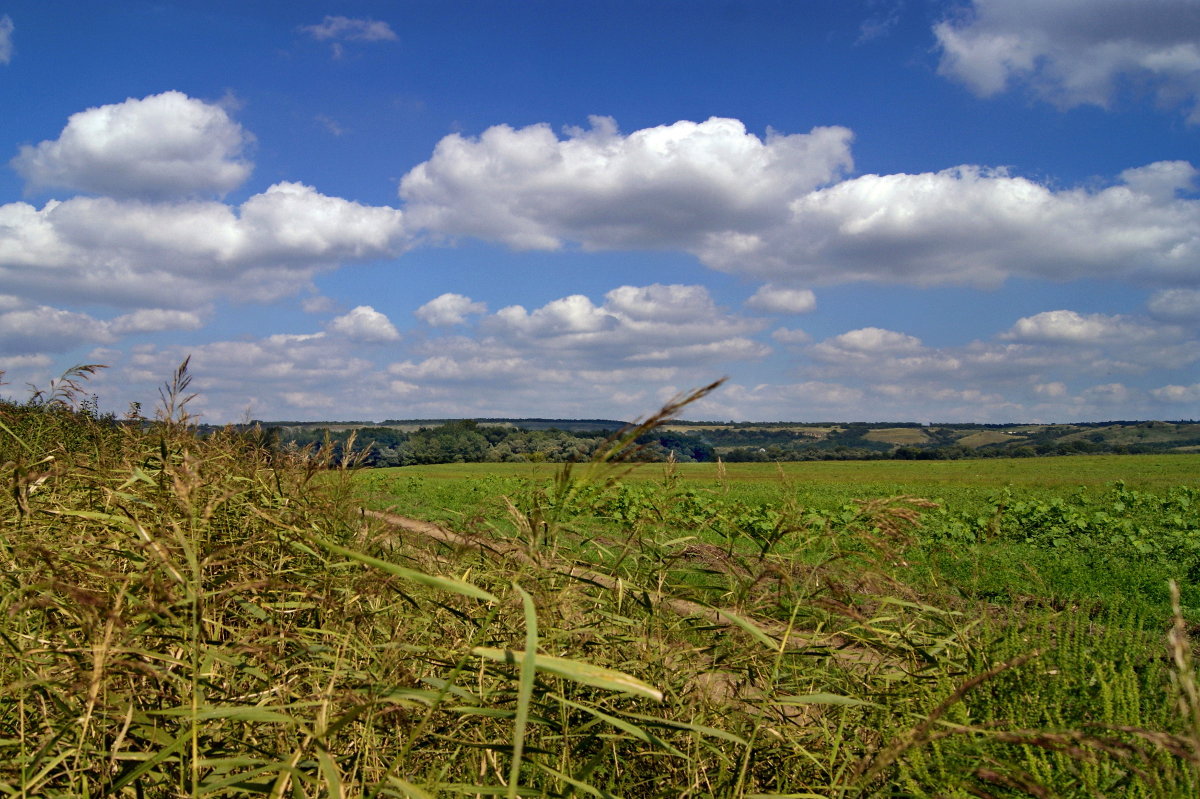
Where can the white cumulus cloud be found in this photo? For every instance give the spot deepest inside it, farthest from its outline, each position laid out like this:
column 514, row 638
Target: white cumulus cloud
column 1069, row 326
column 778, row 208
column 634, row 323
column 132, row 252
column 153, row 320
column 973, row 226
column 785, row 335
column 40, row 329
column 44, row 329
column 656, row 187
column 166, row 145
column 1178, row 394
column 868, row 341
column 365, row 324
column 1076, row 52
column 776, row 299
column 449, row 309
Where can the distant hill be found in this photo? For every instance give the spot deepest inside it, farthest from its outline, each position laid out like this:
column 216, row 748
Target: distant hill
column 569, row 425
column 404, row 441
column 797, row 441
column 409, row 425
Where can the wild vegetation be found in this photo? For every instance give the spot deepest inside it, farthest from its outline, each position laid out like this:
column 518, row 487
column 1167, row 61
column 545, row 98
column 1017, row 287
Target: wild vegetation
column 191, row 615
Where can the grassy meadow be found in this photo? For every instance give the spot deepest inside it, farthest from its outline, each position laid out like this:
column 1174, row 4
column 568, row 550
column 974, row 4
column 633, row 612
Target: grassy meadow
column 207, row 616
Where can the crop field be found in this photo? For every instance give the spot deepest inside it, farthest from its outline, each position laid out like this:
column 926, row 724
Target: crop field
column 186, row 616
column 898, row 435
column 446, row 489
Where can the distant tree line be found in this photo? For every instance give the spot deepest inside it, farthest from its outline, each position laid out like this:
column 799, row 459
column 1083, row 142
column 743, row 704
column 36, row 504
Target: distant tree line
column 467, row 441
column 473, row 441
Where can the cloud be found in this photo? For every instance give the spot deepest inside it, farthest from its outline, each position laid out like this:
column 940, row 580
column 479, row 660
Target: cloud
column 786, row 335
column 662, row 187
column 317, row 303
column 867, row 342
column 365, row 324
column 573, row 355
column 974, row 226
column 442, row 368
column 449, row 309
column 1076, row 52
column 1052, row 327
column 43, row 329
column 164, row 146
column 658, row 303
column 11, row 362
column 1058, row 365
column 777, row 209
column 132, row 252
column 774, row 299
column 1162, row 180
column 1176, row 305
column 347, row 29
column 281, row 377
column 879, row 24
column 573, row 317
column 153, row 320
column 1108, row 394
column 664, row 323
column 352, row 30
column 731, row 349
column 1054, row 389
column 1178, row 394
column 811, row 400
column 330, row 124
column 6, row 45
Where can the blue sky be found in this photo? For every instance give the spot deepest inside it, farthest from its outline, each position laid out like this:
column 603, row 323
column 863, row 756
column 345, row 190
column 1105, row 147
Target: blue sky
column 978, row 210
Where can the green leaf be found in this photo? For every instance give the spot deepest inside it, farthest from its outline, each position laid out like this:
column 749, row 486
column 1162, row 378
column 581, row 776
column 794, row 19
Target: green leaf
column 244, row 713
column 444, row 583
column 823, row 699
column 525, row 691
column 586, row 673
column 691, row 727
column 755, row 633
column 620, row 724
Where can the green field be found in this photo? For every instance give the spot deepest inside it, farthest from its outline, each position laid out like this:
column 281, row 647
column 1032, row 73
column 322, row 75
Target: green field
column 1032, row 501
column 187, row 616
column 1149, row 471
column 446, row 489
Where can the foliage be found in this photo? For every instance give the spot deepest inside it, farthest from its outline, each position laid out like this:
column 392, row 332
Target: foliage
column 467, row 441
column 515, row 441
column 190, row 615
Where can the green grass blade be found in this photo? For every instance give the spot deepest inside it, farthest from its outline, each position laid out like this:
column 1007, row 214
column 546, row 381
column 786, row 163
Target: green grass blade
column 574, row 783
column 162, row 754
column 242, row 713
column 16, row 437
column 621, row 724
column 525, row 690
column 824, row 699
column 753, row 629
column 577, row 671
column 690, row 727
column 444, row 583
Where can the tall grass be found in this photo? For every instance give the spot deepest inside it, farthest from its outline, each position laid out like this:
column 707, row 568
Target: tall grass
column 187, row 616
